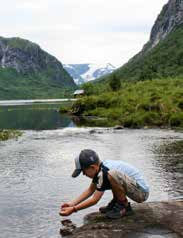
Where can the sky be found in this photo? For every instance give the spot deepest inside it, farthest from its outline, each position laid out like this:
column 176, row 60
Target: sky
column 82, row 31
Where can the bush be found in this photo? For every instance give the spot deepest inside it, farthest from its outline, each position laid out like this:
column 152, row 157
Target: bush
column 115, row 82
column 148, row 103
column 8, row 134
column 89, row 89
column 176, row 120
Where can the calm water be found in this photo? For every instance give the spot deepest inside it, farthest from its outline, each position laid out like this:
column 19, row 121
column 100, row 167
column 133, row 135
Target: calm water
column 33, row 117
column 35, row 173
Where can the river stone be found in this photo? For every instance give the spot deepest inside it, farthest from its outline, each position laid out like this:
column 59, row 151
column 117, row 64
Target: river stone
column 149, row 220
column 68, row 227
column 118, row 127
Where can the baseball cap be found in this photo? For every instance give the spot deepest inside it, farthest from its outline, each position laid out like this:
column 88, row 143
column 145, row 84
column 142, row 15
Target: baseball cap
column 86, row 158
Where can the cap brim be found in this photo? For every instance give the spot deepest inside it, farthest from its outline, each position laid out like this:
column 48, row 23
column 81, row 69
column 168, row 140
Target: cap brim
column 76, row 173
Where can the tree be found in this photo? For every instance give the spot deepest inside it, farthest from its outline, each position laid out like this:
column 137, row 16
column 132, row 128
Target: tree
column 89, row 88
column 114, row 82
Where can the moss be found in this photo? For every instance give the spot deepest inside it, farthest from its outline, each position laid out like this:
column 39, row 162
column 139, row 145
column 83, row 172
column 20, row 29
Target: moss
column 9, row 134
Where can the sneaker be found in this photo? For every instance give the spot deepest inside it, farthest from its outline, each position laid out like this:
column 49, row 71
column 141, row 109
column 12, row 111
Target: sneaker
column 118, row 211
column 108, row 207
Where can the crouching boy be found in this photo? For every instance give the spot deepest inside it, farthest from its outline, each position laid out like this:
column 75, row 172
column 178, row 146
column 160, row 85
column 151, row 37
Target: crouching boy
column 122, row 178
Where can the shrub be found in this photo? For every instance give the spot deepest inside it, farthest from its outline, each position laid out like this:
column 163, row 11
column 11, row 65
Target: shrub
column 176, row 120
column 115, row 82
column 8, row 134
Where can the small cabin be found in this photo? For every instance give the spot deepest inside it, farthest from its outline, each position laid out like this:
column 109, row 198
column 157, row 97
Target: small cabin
column 78, row 93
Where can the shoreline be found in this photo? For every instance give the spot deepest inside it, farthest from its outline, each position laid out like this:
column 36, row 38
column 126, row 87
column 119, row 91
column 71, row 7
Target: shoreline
column 153, row 218
column 21, row 102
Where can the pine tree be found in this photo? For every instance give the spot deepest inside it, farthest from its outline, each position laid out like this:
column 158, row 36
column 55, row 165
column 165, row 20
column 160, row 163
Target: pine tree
column 114, row 83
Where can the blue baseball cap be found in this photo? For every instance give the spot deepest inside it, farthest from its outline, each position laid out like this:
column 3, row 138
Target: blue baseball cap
column 86, row 158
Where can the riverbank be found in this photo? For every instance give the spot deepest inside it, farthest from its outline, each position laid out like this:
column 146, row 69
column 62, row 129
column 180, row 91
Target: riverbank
column 161, row 219
column 151, row 103
column 9, row 134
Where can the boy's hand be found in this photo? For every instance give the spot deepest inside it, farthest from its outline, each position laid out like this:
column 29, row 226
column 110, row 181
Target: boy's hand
column 66, row 205
column 66, row 211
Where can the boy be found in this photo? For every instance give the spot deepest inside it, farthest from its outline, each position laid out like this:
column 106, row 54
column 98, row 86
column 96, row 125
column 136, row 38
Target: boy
column 120, row 177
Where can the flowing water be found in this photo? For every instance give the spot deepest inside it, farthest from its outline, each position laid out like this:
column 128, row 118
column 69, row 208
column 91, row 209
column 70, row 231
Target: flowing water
column 35, row 172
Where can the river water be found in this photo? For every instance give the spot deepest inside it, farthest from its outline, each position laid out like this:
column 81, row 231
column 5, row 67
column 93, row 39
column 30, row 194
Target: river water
column 35, row 172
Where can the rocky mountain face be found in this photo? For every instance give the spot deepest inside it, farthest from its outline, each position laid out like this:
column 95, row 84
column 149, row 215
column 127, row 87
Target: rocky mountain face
column 162, row 55
column 170, row 17
column 83, row 73
column 28, row 58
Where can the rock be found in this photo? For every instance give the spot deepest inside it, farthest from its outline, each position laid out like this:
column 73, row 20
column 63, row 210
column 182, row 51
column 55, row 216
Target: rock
column 170, row 17
column 65, row 231
column 92, row 131
column 27, row 58
column 68, row 227
column 118, row 127
column 153, row 219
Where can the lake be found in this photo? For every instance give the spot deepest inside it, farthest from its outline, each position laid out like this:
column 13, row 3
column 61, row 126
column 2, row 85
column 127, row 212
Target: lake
column 35, row 169
column 33, row 115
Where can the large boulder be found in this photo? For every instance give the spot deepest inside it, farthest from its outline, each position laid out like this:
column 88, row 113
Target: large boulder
column 153, row 219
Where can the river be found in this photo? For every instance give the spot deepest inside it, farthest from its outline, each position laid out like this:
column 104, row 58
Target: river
column 35, row 170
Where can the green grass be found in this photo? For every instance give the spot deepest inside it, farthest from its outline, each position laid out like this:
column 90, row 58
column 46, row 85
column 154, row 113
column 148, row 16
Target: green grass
column 9, row 134
column 151, row 103
column 31, row 86
column 40, row 76
column 151, row 92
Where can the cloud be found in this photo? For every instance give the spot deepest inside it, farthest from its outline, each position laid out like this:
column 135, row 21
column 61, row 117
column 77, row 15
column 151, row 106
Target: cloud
column 82, row 30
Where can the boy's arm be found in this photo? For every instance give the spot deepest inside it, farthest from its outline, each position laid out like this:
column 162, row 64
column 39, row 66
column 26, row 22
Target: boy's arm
column 90, row 202
column 87, row 193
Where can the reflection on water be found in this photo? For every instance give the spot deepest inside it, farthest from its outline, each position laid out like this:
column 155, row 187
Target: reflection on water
column 35, row 117
column 35, row 173
column 169, row 156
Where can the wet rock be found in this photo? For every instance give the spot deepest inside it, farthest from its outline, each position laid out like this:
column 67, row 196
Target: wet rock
column 153, row 219
column 118, row 127
column 66, row 231
column 68, row 227
column 92, row 131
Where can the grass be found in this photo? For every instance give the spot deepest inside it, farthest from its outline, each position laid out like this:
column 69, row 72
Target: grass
column 151, row 103
column 9, row 134
column 40, row 85
column 40, row 74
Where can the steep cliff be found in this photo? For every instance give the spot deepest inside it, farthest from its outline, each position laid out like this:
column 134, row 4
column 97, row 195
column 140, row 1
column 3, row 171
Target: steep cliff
column 170, row 17
column 25, row 67
column 162, row 55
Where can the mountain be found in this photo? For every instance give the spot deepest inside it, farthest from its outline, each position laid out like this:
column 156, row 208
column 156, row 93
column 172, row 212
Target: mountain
column 170, row 17
column 83, row 73
column 162, row 55
column 27, row 71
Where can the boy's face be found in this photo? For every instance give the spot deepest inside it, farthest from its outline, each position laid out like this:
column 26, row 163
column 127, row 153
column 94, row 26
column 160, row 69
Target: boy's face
column 91, row 171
